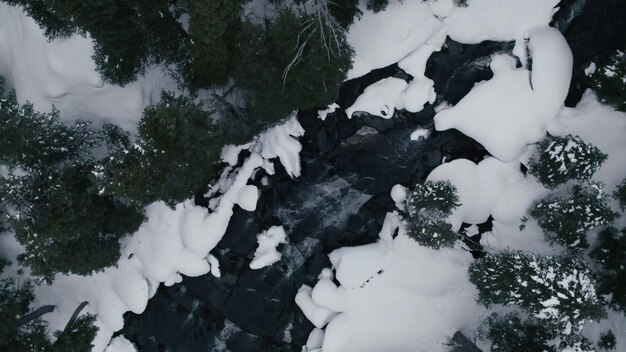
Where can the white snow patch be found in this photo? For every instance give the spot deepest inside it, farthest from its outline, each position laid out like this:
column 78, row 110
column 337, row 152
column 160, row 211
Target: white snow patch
column 62, row 72
column 266, row 253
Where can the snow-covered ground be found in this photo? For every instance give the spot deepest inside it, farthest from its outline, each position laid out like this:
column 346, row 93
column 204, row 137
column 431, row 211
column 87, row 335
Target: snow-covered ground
column 393, row 294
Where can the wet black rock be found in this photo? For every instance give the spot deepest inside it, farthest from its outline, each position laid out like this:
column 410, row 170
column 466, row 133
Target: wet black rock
column 348, row 169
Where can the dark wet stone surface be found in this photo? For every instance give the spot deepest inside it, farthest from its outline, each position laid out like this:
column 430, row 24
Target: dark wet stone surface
column 340, row 200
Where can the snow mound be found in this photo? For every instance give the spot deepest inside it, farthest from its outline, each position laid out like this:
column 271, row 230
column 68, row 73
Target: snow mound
column 515, row 107
column 497, row 20
column 480, row 187
column 415, row 301
column 62, row 72
column 120, row 344
column 266, row 253
column 399, row 30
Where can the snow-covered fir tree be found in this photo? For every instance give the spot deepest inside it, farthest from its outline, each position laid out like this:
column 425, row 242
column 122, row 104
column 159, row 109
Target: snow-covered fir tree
column 566, row 220
column 560, row 159
column 620, row 194
column 609, row 253
column 609, row 81
column 427, row 206
column 556, row 290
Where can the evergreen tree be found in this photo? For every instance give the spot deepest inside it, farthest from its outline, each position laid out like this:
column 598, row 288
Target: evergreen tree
column 511, row 333
column 64, row 224
column 609, row 81
column 620, row 194
column 377, row 5
column 557, row 291
column 128, row 35
column 213, row 25
column 607, row 341
column 174, row 155
column 15, row 336
column 298, row 61
column 609, row 252
column 567, row 220
column 427, row 206
column 559, row 159
column 32, row 140
column 345, row 11
column 48, row 197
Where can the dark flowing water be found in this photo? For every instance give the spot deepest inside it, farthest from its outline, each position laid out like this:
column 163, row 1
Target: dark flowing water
column 348, row 169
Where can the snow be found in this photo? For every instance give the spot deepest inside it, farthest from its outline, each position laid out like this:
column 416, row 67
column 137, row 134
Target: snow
column 380, row 98
column 505, row 114
column 120, row 344
column 480, row 187
column 172, row 242
column 61, row 72
column 395, row 309
column 399, row 30
column 497, row 20
column 266, row 253
column 322, row 114
column 420, row 133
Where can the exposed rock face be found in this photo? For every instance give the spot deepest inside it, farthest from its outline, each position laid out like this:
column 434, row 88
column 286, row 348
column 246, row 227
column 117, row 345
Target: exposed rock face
column 348, row 170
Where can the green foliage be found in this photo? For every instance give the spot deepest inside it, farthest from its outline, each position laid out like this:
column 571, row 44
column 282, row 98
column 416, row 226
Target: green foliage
column 558, row 291
column 212, row 28
column 559, row 159
column 609, row 81
column 511, row 333
column 15, row 301
column 297, row 61
column 63, row 223
column 173, row 156
column 607, row 340
column 428, row 206
column 33, row 140
column 48, row 196
column 78, row 337
column 567, row 220
column 620, row 194
column 128, row 35
column 609, row 252
column 345, row 11
column 377, row 5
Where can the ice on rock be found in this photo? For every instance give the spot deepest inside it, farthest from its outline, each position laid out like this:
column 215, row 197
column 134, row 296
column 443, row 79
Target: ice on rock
column 266, row 253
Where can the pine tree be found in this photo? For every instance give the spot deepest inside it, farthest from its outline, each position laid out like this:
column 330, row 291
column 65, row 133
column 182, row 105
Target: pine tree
column 567, row 220
column 620, row 194
column 296, row 61
column 609, row 81
column 15, row 336
column 511, row 333
column 32, row 140
column 64, row 224
column 560, row 159
column 607, row 341
column 609, row 252
column 48, row 197
column 128, row 35
column 558, row 291
column 213, row 25
column 173, row 156
column 377, row 5
column 427, row 206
